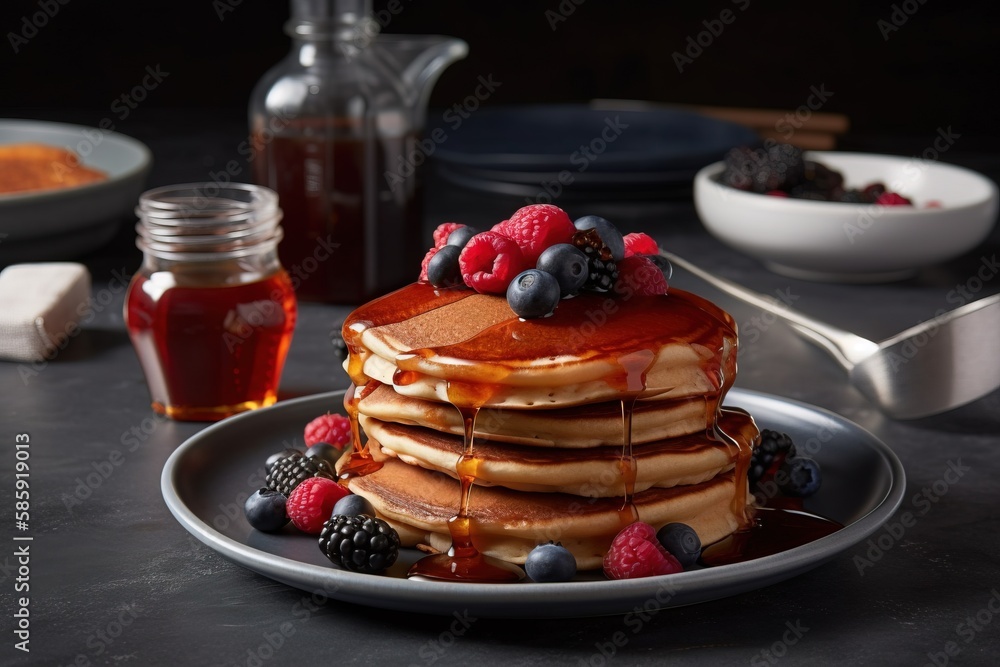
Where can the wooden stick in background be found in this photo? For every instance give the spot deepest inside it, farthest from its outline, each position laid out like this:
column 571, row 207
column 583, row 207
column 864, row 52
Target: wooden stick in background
column 814, row 130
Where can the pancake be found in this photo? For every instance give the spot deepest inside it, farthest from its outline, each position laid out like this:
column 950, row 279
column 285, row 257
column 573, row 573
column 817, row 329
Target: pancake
column 579, row 426
column 603, row 413
column 465, row 348
column 508, row 524
column 593, row 472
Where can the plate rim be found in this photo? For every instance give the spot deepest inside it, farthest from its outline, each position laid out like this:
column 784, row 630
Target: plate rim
column 500, row 600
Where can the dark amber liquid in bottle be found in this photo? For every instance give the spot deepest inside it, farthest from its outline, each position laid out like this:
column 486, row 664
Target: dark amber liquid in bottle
column 211, row 351
column 352, row 209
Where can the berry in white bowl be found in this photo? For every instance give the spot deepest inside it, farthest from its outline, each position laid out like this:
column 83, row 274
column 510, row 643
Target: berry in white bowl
column 953, row 211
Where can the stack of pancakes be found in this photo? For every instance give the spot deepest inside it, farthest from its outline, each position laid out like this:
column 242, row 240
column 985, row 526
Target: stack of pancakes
column 601, row 414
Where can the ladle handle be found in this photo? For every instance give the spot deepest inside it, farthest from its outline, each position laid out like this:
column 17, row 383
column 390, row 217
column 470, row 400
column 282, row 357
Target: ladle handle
column 847, row 348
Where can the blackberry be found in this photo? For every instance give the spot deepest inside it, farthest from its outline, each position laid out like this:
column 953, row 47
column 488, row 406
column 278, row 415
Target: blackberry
column 607, row 231
column 601, row 267
column 277, row 456
column 872, row 192
column 359, row 543
column 808, row 190
column 783, row 169
column 853, row 196
column 771, row 445
column 778, row 167
column 289, row 472
column 741, row 165
column 818, row 177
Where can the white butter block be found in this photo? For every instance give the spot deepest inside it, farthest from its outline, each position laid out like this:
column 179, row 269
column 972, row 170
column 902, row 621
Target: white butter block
column 40, row 308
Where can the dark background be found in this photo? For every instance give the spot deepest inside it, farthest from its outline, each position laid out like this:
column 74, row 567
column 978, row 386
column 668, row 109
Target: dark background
column 936, row 70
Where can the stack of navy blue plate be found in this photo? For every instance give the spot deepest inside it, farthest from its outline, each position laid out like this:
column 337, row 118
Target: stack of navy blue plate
column 577, row 151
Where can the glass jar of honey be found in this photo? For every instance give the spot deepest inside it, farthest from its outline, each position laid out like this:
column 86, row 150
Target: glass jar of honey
column 211, row 311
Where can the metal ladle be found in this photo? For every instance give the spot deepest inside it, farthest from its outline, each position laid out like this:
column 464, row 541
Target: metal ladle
column 937, row 365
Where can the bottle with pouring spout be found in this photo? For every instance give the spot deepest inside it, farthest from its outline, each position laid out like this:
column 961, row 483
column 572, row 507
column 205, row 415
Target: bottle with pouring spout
column 336, row 131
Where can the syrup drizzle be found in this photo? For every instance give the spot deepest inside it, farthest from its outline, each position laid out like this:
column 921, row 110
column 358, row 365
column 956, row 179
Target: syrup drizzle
column 360, row 462
column 465, row 562
column 740, row 448
column 628, row 466
column 634, row 367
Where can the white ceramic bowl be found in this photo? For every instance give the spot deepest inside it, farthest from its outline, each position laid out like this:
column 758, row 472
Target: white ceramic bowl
column 67, row 222
column 855, row 242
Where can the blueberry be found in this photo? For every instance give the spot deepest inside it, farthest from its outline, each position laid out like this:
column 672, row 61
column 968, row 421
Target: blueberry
column 664, row 265
column 443, row 269
column 283, row 454
column 568, row 264
column 461, row 235
column 353, row 505
column 533, row 293
column 339, row 345
column 326, row 452
column 608, row 233
column 799, row 477
column 265, row 510
column 681, row 541
column 550, row 562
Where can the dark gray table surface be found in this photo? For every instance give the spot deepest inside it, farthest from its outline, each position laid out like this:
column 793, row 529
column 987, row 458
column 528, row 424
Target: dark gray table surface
column 114, row 579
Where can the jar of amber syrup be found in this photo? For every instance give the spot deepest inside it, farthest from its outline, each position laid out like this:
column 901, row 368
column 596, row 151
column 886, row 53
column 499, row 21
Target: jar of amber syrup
column 211, row 311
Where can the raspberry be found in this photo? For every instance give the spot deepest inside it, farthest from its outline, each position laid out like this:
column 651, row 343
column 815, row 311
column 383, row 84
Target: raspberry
column 776, row 193
column 311, row 503
column 332, row 429
column 442, row 233
column 424, row 262
column 534, row 228
column 638, row 243
column 641, row 275
column 490, row 261
column 892, row 199
column 636, row 552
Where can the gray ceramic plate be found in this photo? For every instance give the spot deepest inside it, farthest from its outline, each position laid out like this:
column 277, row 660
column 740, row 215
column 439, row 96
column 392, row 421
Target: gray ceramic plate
column 207, row 479
column 67, row 222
